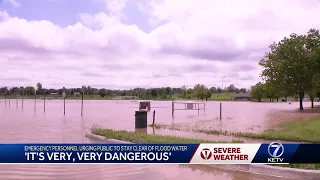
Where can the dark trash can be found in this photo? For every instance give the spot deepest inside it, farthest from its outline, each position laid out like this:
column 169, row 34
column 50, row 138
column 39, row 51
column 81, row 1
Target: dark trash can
column 141, row 120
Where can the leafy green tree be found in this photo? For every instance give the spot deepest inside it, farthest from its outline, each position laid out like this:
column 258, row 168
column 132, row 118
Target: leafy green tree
column 168, row 90
column 14, row 90
column 200, row 92
column 231, row 88
column 287, row 65
column 154, row 92
column 102, row 92
column 257, row 91
column 30, row 90
column 313, row 47
column 271, row 91
column 39, row 88
column 208, row 94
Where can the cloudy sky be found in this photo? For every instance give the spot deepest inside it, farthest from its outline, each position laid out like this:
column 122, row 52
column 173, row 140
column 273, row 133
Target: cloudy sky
column 143, row 43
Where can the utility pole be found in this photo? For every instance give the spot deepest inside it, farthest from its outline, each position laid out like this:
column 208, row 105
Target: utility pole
column 222, row 82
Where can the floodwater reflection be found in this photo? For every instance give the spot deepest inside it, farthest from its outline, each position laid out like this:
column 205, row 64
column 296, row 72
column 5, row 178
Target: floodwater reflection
column 121, row 172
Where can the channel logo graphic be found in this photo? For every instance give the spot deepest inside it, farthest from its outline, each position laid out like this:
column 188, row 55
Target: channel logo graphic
column 206, row 154
column 275, row 150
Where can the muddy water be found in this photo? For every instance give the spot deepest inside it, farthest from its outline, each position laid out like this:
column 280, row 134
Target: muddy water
column 33, row 125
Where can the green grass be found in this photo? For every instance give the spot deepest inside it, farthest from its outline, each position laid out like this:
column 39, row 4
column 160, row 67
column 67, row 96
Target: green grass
column 297, row 131
column 221, row 97
column 300, row 166
column 147, row 138
column 290, row 131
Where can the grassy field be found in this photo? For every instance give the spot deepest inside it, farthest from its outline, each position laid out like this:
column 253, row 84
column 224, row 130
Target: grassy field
column 297, row 131
column 146, row 138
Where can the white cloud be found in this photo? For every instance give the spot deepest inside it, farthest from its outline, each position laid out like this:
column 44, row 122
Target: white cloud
column 202, row 41
column 115, row 7
column 14, row 3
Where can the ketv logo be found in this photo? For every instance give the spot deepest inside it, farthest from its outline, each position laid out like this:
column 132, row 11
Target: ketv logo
column 275, row 150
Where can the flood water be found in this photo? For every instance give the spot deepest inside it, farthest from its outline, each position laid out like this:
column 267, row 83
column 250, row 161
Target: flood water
column 32, row 125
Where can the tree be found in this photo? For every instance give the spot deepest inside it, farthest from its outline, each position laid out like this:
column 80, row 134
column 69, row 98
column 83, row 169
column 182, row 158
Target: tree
column 287, row 65
column 14, row 90
column 213, row 89
column 22, row 93
column 154, row 92
column 39, row 87
column 208, row 94
column 313, row 47
column 184, row 90
column 257, row 91
column 271, row 91
column 3, row 90
column 200, row 91
column 243, row 90
column 168, row 90
column 102, row 92
column 30, row 90
column 231, row 88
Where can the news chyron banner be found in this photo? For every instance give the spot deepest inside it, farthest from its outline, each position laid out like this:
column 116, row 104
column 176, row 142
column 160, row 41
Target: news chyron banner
column 274, row 153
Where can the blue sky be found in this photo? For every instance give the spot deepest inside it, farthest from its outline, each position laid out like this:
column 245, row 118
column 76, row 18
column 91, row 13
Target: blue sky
column 66, row 12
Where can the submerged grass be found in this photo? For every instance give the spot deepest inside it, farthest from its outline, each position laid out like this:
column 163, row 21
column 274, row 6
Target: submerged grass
column 147, row 138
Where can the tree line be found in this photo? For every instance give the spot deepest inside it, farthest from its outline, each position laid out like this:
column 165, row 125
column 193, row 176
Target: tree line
column 292, row 66
column 199, row 91
column 269, row 91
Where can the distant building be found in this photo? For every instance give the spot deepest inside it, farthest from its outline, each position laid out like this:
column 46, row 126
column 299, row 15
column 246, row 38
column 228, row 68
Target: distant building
column 53, row 93
column 241, row 96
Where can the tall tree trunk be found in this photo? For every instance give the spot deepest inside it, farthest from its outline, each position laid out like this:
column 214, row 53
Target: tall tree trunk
column 277, row 99
column 286, row 98
column 270, row 99
column 301, row 96
column 312, row 104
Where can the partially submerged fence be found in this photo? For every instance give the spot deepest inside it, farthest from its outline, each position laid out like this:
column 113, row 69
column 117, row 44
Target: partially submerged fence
column 188, row 106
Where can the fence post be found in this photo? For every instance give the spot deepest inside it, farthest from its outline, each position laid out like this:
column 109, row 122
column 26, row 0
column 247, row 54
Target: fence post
column 35, row 100
column 172, row 108
column 220, row 110
column 64, row 95
column 154, row 117
column 82, row 92
column 44, row 100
